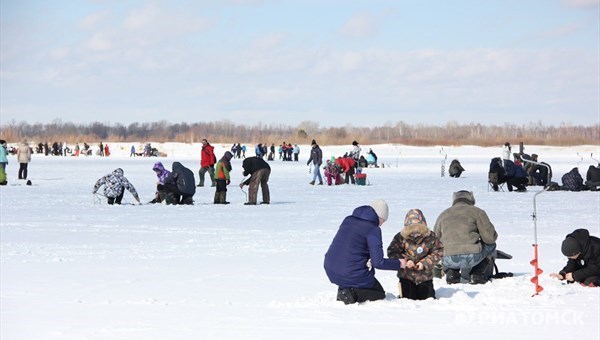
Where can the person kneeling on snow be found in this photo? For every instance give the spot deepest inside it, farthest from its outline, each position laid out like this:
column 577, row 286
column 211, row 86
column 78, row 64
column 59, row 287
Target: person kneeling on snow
column 180, row 185
column 422, row 250
column 583, row 265
column 355, row 250
column 114, row 187
column 469, row 238
column 161, row 174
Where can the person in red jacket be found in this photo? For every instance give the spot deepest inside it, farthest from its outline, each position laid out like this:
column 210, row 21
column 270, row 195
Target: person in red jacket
column 207, row 163
column 347, row 167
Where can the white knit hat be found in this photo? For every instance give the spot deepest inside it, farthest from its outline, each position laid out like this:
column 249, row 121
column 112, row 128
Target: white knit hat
column 381, row 208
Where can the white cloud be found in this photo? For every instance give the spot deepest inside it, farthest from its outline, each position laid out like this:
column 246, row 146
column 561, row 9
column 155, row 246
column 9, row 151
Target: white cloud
column 93, row 20
column 99, row 42
column 360, row 25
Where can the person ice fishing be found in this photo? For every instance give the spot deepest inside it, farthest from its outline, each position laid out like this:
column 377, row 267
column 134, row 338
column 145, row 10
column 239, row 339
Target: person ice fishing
column 583, row 252
column 259, row 171
column 222, row 178
column 469, row 238
column 179, row 185
column 114, row 187
column 422, row 250
column 355, row 250
column 161, row 174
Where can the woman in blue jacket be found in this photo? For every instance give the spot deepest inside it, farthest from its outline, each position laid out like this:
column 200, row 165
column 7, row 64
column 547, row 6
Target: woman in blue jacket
column 355, row 250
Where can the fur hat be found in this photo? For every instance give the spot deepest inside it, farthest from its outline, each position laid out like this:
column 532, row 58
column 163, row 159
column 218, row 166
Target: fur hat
column 570, row 246
column 463, row 196
column 415, row 217
column 381, row 208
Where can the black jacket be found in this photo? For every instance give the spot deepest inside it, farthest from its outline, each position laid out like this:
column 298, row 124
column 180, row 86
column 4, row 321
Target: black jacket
column 252, row 164
column 183, row 178
column 593, row 174
column 588, row 263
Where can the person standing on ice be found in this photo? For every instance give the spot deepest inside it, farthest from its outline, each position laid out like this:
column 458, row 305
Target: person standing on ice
column 23, row 157
column 207, row 163
column 469, row 238
column 259, row 172
column 355, row 250
column 316, row 157
column 222, row 178
column 583, row 252
column 114, row 187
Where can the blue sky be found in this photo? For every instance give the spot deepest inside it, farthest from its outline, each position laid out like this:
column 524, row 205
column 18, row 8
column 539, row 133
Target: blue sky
column 336, row 62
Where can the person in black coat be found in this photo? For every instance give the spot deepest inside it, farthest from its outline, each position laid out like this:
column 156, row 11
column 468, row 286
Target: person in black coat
column 455, row 169
column 593, row 178
column 259, row 172
column 583, row 265
column 515, row 175
column 180, row 185
column 496, row 173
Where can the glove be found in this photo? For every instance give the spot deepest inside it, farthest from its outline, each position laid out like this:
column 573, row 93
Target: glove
column 228, row 182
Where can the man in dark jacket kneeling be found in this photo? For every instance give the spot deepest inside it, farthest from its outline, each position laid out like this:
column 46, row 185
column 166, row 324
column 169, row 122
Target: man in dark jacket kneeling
column 355, row 250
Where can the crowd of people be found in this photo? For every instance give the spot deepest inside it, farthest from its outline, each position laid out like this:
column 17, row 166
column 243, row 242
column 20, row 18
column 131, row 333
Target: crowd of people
column 527, row 170
column 462, row 241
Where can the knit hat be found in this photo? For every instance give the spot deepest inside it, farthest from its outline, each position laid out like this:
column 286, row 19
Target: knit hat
column 228, row 155
column 381, row 208
column 314, row 142
column 414, row 217
column 570, row 246
column 463, row 196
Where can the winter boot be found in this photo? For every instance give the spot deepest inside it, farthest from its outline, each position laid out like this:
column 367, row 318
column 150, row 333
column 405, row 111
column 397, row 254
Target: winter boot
column 346, row 296
column 223, row 197
column 217, row 199
column 187, row 200
column 480, row 273
column 170, row 198
column 312, row 183
column 452, row 276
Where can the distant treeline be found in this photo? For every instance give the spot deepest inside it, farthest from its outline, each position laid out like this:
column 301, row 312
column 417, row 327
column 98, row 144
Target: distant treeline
column 226, row 131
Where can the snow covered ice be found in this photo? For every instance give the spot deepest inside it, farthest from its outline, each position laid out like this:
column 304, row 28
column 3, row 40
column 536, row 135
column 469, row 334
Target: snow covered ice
column 72, row 269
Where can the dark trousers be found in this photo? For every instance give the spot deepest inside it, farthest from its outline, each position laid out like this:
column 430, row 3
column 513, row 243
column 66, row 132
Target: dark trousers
column 350, row 176
column 118, row 199
column 365, row 294
column 221, row 185
column 174, row 196
column 23, row 170
column 518, row 182
column 413, row 291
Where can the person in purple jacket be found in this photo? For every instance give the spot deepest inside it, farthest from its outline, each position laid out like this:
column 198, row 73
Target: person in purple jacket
column 162, row 174
column 355, row 250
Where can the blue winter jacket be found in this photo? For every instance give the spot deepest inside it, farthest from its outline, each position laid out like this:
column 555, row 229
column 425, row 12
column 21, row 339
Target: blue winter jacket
column 513, row 171
column 358, row 239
